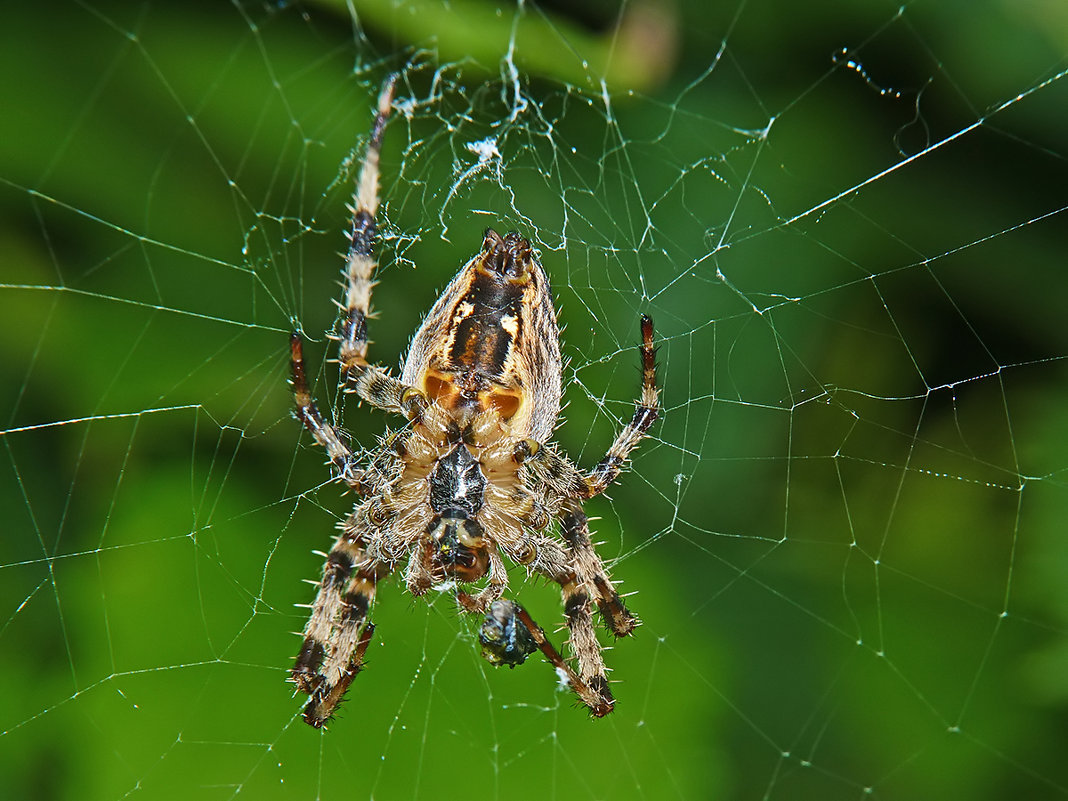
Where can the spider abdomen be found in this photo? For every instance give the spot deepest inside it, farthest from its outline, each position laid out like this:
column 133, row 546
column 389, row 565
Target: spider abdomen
column 491, row 342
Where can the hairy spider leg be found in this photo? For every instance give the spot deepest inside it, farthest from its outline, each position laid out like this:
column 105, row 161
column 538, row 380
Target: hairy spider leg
column 576, row 527
column 599, row 703
column 337, row 633
column 558, row 472
column 324, row 702
column 371, row 383
column 645, row 414
column 308, row 413
column 360, row 263
column 577, row 594
column 591, row 576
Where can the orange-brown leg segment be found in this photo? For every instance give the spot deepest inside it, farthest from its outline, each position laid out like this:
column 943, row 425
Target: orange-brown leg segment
column 645, row 414
column 509, row 634
column 308, row 413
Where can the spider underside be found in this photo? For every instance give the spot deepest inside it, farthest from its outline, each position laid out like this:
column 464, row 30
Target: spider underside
column 472, row 477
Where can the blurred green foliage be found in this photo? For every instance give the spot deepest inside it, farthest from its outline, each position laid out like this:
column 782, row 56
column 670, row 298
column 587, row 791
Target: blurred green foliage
column 846, row 532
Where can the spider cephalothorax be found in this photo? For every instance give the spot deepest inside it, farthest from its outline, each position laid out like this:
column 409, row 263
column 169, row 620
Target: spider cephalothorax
column 473, row 477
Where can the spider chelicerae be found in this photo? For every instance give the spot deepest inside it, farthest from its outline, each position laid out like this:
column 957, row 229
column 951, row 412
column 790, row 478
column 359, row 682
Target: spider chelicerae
column 472, row 477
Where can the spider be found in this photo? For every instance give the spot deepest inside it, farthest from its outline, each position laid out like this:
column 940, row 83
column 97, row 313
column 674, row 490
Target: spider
column 472, row 477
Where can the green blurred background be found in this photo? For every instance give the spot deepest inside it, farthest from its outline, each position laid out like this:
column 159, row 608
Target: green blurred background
column 847, row 534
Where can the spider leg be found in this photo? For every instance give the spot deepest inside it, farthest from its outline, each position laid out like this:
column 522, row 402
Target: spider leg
column 337, row 633
column 586, row 581
column 308, row 413
column 590, row 571
column 586, row 648
column 360, row 263
column 324, row 700
column 500, row 650
column 645, row 414
column 370, row 382
column 582, row 578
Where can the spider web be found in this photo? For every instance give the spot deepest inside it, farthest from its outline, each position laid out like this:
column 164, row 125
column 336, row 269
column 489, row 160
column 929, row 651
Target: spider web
column 845, row 535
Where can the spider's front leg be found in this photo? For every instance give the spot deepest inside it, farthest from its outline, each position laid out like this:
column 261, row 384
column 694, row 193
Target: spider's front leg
column 589, row 582
column 337, row 633
column 509, row 635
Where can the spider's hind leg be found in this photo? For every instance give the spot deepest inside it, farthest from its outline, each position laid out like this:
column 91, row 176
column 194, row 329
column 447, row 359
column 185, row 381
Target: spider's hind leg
column 360, row 263
column 370, row 382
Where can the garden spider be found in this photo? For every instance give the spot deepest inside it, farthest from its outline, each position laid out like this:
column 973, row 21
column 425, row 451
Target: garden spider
column 473, row 475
